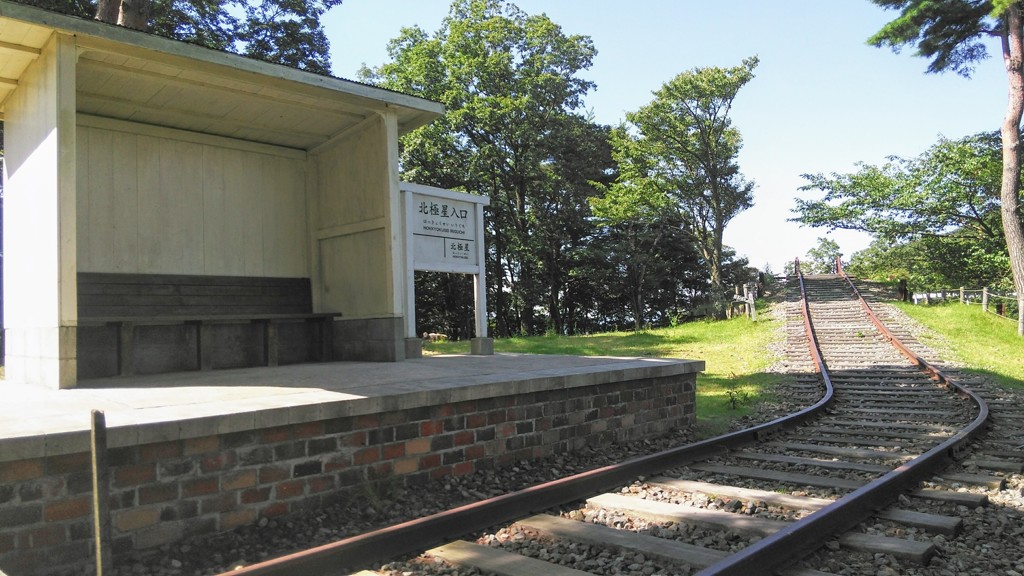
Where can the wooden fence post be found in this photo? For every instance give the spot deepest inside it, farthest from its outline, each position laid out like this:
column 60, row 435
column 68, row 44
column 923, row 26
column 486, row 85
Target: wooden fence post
column 750, row 301
column 984, row 299
column 100, row 494
column 963, row 300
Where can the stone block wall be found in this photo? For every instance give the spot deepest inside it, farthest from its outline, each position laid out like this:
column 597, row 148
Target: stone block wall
column 162, row 492
column 369, row 339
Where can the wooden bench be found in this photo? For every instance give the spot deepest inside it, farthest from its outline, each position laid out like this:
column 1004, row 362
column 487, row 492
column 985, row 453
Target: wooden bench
column 249, row 313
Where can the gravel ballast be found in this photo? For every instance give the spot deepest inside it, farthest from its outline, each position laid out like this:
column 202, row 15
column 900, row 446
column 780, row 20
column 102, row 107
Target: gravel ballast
column 992, row 541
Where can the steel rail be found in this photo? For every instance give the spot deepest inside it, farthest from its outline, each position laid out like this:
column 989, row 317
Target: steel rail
column 786, row 546
column 423, row 533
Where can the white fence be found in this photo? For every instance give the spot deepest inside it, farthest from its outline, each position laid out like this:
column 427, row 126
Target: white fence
column 1003, row 305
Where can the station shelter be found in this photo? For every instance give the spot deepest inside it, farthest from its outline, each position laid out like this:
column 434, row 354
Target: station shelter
column 166, row 204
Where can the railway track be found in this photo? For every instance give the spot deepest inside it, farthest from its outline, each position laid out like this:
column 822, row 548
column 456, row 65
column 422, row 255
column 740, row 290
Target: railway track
column 864, row 469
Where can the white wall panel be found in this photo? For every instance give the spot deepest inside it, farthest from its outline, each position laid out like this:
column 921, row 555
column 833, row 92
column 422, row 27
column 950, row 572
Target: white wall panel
column 125, row 201
column 352, row 229
column 353, row 280
column 158, row 201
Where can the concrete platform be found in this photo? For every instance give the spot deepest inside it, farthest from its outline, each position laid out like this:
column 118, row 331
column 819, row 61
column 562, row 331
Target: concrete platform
column 36, row 422
column 199, row 453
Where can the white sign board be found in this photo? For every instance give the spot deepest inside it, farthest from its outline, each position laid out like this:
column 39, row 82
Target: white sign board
column 444, row 232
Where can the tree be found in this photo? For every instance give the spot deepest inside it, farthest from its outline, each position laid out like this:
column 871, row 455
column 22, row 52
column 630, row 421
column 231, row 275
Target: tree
column 822, row 258
column 509, row 82
column 951, row 187
column 940, row 210
column 686, row 149
column 580, row 161
column 950, row 33
column 281, row 31
column 932, row 262
column 638, row 214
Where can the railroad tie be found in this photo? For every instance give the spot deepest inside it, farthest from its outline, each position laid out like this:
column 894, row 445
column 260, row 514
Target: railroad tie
column 998, row 465
column 936, row 523
column 821, row 463
column 986, row 480
column 845, row 452
column 970, row 499
column 601, row 535
column 666, row 512
column 777, row 476
column 787, row 501
column 920, row 552
column 487, row 559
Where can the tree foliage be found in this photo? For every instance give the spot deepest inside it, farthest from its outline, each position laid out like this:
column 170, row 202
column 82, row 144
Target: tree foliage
column 935, row 218
column 953, row 187
column 281, row 31
column 950, row 32
column 564, row 252
column 683, row 158
column 514, row 131
column 821, row 259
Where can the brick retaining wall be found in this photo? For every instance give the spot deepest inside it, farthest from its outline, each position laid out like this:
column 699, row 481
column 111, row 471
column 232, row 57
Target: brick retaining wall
column 162, row 492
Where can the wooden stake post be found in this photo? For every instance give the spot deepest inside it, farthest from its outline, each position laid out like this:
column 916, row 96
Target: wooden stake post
column 100, row 493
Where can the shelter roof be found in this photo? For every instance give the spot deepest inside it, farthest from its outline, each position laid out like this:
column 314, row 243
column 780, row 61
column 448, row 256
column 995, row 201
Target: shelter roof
column 139, row 77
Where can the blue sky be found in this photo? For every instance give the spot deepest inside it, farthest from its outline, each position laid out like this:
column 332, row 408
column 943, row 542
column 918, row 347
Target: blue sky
column 822, row 99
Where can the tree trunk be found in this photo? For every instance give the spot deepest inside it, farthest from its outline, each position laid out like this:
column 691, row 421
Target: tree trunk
column 637, row 272
column 498, row 281
column 717, row 290
column 555, row 306
column 135, row 14
column 128, row 13
column 1013, row 57
column 107, row 11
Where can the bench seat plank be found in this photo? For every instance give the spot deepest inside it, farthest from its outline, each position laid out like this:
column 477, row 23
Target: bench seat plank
column 128, row 301
column 212, row 319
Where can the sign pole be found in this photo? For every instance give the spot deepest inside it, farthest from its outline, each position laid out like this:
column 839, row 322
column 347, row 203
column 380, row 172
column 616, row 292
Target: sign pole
column 479, row 286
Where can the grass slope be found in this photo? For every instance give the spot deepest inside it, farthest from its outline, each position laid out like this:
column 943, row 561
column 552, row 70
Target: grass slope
column 735, row 353
column 986, row 343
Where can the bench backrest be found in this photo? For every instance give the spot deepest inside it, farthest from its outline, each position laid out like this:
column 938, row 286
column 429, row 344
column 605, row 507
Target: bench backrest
column 105, row 295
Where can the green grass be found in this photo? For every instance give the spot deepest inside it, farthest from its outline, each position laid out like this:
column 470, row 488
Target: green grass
column 984, row 342
column 734, row 351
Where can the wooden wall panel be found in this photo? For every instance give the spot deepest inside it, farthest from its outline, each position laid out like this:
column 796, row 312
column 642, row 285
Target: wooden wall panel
column 352, row 178
column 125, row 200
column 156, row 201
column 355, row 282
column 250, row 212
column 223, row 240
column 283, row 216
column 352, row 250
column 154, row 213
